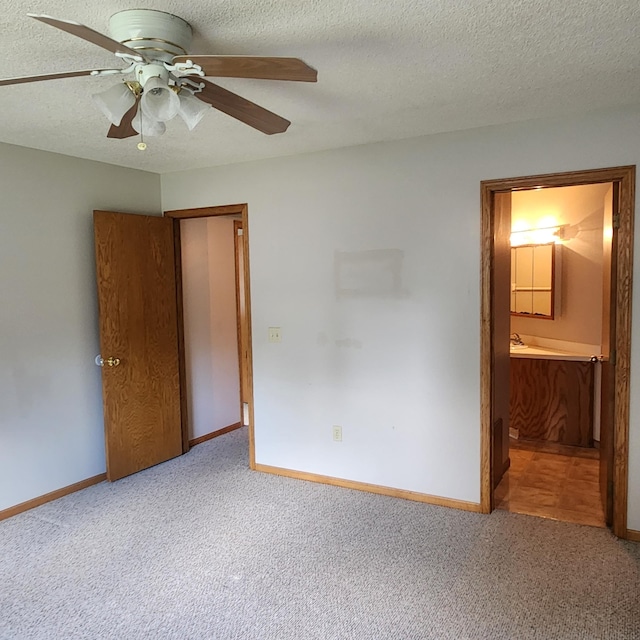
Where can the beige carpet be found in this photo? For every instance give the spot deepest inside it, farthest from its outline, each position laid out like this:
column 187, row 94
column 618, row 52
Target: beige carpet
column 200, row 547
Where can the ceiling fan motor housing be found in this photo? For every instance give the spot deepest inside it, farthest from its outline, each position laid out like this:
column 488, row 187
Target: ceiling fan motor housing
column 156, row 34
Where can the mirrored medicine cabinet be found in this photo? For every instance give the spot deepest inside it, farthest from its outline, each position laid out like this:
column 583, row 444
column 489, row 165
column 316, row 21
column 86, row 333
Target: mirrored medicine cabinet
column 533, row 280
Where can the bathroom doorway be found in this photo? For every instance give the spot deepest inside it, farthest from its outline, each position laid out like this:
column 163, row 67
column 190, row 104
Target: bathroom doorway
column 555, row 345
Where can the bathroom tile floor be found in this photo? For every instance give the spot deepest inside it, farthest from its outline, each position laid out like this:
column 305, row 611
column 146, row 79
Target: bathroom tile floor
column 562, row 486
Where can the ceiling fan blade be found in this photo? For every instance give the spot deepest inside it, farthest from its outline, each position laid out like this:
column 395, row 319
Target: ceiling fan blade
column 253, row 67
column 242, row 109
column 79, row 30
column 50, row 76
column 124, row 129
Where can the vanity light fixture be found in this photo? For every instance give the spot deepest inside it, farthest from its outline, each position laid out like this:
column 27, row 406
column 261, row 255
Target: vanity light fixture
column 539, row 235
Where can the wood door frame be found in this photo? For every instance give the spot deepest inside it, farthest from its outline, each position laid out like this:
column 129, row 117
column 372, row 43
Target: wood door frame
column 208, row 212
column 625, row 178
column 237, row 240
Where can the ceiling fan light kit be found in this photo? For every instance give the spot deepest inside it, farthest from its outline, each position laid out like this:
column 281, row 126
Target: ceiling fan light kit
column 191, row 110
column 166, row 80
column 147, row 127
column 115, row 102
column 159, row 102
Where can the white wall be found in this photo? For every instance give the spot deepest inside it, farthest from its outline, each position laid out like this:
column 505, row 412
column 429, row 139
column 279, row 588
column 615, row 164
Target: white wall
column 211, row 334
column 398, row 365
column 581, row 210
column 51, row 428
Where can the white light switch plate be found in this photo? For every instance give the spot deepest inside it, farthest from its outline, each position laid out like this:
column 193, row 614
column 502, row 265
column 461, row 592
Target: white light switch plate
column 275, row 334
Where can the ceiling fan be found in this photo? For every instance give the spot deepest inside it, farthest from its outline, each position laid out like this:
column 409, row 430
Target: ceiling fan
column 161, row 80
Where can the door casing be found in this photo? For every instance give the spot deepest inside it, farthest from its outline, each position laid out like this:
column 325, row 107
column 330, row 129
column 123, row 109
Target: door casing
column 246, row 362
column 625, row 179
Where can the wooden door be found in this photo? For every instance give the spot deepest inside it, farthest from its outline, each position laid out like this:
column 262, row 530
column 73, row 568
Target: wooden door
column 501, row 284
column 136, row 278
column 607, row 398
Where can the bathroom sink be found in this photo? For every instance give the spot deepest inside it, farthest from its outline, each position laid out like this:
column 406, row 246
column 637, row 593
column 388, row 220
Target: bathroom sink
column 513, row 347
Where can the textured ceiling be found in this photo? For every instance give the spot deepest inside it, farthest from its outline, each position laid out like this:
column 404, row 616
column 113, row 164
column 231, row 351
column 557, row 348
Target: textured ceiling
column 387, row 69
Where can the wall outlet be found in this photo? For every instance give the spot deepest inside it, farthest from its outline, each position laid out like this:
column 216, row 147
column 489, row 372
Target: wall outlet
column 337, row 433
column 275, row 334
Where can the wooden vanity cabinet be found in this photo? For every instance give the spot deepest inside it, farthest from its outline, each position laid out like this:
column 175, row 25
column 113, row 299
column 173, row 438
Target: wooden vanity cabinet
column 552, row 400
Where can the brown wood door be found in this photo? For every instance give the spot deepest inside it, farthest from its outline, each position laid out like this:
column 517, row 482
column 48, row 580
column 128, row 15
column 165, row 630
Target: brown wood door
column 136, row 278
column 501, row 327
column 607, row 398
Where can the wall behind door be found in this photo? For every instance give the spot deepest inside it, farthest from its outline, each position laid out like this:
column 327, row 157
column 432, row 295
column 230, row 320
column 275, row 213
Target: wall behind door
column 211, row 335
column 51, row 427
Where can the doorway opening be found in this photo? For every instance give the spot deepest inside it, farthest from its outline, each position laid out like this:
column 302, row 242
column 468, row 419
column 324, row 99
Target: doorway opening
column 212, row 264
column 556, row 269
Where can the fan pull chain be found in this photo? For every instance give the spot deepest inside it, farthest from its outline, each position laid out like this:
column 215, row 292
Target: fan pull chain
column 142, row 145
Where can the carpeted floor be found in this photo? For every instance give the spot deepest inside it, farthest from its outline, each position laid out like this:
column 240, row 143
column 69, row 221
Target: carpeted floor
column 200, row 548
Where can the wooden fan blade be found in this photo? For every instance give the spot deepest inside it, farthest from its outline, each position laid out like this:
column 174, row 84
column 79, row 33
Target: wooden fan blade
column 80, row 31
column 49, row 76
column 242, row 109
column 124, row 129
column 253, row 67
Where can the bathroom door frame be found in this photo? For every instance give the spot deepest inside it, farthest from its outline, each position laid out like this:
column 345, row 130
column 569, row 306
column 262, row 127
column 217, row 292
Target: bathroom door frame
column 624, row 177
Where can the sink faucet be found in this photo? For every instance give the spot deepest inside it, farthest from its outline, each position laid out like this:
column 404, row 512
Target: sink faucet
column 516, row 340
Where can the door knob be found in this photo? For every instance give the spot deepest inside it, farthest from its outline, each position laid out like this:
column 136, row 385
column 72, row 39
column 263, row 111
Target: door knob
column 109, row 362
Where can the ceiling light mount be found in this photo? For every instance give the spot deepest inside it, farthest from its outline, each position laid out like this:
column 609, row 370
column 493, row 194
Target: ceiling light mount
column 146, row 71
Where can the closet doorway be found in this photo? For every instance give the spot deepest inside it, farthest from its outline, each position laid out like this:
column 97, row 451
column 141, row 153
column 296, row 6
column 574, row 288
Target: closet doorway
column 212, row 265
